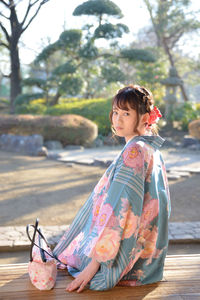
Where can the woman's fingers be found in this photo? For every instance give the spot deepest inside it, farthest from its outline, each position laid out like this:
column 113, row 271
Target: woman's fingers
column 81, row 288
column 77, row 284
column 73, row 285
column 84, row 277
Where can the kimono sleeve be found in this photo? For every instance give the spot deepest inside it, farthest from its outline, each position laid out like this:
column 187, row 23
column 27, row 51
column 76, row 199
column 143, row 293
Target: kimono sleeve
column 118, row 221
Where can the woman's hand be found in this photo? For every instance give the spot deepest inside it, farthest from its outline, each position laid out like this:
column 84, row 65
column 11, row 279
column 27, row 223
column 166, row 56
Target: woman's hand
column 84, row 277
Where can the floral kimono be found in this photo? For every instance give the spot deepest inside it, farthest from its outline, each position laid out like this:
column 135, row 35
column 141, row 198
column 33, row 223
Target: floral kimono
column 124, row 222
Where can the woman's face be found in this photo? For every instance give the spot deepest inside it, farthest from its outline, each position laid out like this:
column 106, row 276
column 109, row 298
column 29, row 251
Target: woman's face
column 124, row 122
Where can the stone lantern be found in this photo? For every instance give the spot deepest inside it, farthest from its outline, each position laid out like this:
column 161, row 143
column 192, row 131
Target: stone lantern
column 172, row 82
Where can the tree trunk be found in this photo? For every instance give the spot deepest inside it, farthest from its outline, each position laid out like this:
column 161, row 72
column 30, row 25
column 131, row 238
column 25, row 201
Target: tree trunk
column 15, row 77
column 55, row 99
column 167, row 51
column 185, row 97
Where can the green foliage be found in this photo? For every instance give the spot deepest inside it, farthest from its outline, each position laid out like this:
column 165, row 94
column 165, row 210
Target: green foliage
column 31, row 108
column 110, row 31
column 26, row 98
column 34, row 82
column 185, row 113
column 97, row 110
column 46, row 52
column 4, row 105
column 4, row 101
column 70, row 39
column 67, row 68
column 138, row 54
column 150, row 76
column 172, row 21
column 96, row 7
column 112, row 74
column 71, row 85
column 88, row 51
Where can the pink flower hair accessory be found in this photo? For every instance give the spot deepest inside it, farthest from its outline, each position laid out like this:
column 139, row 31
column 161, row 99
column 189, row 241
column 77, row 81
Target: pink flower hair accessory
column 154, row 116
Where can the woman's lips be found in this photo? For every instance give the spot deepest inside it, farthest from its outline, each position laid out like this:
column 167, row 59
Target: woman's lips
column 118, row 128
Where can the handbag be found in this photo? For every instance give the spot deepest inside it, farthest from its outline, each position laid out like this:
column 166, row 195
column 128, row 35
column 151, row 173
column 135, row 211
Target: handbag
column 42, row 267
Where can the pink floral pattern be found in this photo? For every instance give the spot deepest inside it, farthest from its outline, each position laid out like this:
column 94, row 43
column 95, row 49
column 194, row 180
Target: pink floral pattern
column 147, row 238
column 129, row 222
column 103, row 182
column 107, row 246
column 133, row 157
column 98, row 201
column 73, row 245
column 150, row 211
column 104, row 216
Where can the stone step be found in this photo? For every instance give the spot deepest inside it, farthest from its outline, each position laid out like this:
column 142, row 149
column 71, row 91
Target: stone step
column 14, row 238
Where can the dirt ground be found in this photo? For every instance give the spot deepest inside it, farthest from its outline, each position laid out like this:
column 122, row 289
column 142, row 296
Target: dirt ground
column 33, row 187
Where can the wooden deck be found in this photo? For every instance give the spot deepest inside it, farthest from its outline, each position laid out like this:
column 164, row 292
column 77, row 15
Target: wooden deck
column 181, row 281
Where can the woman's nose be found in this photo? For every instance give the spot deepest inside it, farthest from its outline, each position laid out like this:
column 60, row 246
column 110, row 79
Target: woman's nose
column 119, row 118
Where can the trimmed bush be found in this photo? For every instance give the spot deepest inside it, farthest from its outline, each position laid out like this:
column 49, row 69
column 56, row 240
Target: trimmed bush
column 194, row 129
column 68, row 129
column 97, row 110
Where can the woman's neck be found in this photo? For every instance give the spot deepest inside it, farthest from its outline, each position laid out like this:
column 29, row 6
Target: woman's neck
column 127, row 139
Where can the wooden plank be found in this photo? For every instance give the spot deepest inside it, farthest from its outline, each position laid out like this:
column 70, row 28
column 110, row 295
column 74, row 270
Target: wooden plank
column 181, row 281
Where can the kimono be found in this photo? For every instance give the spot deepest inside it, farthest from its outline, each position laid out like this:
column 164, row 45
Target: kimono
column 124, row 222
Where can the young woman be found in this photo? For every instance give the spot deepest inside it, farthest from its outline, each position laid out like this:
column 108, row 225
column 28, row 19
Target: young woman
column 120, row 235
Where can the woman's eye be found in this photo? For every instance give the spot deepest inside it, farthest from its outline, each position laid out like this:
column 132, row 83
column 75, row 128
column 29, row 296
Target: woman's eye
column 114, row 112
column 126, row 114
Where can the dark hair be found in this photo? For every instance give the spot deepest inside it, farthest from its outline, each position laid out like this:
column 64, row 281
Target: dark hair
column 138, row 98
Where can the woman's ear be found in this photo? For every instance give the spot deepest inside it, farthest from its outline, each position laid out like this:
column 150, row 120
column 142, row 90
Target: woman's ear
column 145, row 118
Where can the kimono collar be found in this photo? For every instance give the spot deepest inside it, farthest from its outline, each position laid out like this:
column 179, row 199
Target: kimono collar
column 155, row 141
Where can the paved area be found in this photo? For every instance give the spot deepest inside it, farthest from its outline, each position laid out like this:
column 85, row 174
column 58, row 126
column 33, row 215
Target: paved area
column 14, row 238
column 176, row 160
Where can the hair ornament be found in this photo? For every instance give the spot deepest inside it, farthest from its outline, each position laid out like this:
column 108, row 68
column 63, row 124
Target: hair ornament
column 154, row 116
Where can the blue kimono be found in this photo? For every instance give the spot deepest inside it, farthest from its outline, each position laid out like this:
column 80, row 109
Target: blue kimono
column 124, row 222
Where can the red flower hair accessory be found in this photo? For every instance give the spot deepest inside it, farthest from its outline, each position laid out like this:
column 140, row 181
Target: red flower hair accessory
column 154, row 116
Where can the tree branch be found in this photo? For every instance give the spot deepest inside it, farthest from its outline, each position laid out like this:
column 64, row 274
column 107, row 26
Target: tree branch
column 4, row 16
column 6, row 4
column 4, row 44
column 149, row 8
column 6, row 76
column 28, row 10
column 6, row 32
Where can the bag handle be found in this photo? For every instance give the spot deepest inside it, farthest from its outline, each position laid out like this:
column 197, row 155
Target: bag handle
column 41, row 250
column 33, row 241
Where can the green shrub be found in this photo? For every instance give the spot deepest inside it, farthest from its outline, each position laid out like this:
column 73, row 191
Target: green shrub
column 31, row 108
column 96, row 110
column 185, row 113
column 68, row 129
column 26, row 98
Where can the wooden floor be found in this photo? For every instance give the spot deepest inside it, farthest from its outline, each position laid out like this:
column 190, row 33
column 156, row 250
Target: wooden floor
column 181, row 281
